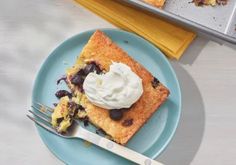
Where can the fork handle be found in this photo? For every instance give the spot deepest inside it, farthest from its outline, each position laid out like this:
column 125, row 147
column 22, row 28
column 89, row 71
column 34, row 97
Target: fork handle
column 126, row 152
column 118, row 149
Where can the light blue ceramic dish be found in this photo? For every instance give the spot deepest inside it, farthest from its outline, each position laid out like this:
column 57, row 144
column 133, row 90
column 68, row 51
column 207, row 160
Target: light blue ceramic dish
column 153, row 137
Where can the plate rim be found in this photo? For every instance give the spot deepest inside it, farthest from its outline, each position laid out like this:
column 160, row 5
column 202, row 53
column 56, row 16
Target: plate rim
column 55, row 49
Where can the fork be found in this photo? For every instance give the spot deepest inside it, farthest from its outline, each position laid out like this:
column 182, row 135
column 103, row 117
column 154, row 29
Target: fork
column 43, row 119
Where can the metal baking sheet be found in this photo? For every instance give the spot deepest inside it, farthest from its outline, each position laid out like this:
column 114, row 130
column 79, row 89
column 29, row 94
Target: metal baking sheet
column 218, row 21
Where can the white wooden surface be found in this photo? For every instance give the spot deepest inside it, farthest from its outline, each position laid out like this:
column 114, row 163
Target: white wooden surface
column 31, row 29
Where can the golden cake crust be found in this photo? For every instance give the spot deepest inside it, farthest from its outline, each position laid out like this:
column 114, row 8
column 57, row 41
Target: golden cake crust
column 103, row 51
column 157, row 3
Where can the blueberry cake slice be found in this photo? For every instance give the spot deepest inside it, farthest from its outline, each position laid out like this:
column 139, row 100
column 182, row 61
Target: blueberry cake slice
column 120, row 124
column 210, row 2
column 157, row 3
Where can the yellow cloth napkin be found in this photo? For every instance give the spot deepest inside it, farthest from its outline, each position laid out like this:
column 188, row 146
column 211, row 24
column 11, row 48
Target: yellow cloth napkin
column 171, row 39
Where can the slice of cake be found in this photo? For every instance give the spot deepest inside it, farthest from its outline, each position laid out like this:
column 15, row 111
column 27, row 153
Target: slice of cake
column 210, row 2
column 120, row 124
column 157, row 3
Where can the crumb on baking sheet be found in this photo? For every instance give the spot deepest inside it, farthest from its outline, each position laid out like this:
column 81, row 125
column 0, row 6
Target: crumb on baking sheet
column 209, row 2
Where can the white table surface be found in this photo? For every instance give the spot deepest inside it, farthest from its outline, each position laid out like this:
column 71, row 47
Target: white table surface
column 31, row 29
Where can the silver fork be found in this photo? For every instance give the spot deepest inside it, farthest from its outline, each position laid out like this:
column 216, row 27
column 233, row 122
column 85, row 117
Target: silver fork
column 43, row 119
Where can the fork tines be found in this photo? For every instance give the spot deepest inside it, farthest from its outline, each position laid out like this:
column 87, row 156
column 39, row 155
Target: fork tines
column 43, row 125
column 42, row 116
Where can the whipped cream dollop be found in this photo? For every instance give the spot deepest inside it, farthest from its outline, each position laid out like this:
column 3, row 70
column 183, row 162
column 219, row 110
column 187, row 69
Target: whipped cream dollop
column 116, row 89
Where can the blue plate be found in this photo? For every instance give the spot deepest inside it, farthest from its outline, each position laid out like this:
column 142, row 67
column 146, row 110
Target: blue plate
column 153, row 137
